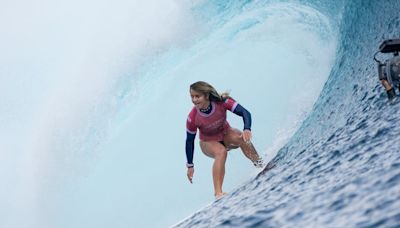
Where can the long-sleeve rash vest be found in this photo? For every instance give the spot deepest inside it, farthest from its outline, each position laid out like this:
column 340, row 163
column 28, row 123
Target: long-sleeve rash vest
column 212, row 125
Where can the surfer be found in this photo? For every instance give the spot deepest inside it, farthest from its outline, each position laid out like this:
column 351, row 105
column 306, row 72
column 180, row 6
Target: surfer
column 217, row 137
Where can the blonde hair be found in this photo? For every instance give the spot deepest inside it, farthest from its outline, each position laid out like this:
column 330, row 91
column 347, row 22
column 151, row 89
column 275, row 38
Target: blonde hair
column 210, row 92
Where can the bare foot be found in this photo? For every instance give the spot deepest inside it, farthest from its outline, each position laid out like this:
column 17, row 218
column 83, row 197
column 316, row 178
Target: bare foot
column 220, row 195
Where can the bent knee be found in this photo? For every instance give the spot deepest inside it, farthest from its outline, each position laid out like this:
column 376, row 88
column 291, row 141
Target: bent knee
column 234, row 137
column 220, row 153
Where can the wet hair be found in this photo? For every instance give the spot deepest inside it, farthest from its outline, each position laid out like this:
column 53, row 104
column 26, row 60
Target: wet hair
column 209, row 91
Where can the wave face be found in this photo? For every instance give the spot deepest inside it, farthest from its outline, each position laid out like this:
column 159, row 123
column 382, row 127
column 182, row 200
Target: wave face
column 83, row 83
column 93, row 126
column 342, row 166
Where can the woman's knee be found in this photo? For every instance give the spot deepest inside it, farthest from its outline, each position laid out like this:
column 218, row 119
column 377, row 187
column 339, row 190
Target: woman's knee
column 213, row 149
column 233, row 138
column 220, row 154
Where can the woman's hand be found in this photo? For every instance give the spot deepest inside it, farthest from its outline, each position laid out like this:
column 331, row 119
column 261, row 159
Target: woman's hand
column 190, row 172
column 246, row 135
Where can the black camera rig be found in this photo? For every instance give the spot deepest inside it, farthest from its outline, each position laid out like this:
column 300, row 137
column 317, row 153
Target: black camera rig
column 390, row 46
column 389, row 70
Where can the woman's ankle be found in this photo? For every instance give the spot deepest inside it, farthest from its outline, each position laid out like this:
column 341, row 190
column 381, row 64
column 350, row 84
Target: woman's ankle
column 220, row 194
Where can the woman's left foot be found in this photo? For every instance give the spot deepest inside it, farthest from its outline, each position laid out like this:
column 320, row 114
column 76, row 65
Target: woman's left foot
column 220, row 195
column 259, row 163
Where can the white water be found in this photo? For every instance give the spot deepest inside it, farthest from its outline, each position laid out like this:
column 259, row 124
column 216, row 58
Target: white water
column 94, row 102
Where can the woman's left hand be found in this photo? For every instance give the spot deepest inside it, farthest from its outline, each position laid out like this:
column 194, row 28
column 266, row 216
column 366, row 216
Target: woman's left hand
column 246, row 135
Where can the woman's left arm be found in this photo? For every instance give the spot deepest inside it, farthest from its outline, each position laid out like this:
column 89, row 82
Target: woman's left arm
column 241, row 111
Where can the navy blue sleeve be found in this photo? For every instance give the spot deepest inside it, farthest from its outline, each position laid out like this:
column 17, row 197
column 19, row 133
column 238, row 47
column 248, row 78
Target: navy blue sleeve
column 240, row 111
column 189, row 147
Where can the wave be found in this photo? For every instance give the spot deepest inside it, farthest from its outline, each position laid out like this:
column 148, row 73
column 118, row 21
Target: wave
column 341, row 166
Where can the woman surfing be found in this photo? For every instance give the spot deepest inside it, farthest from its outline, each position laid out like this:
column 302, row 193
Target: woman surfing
column 217, row 137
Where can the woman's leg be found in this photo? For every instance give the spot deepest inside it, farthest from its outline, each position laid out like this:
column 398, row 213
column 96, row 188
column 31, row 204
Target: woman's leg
column 233, row 139
column 217, row 151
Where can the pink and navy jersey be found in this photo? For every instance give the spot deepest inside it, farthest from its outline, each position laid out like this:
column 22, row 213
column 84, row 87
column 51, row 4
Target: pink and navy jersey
column 212, row 126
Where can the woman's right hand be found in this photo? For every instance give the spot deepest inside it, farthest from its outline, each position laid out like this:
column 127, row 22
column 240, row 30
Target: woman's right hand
column 190, row 172
column 246, row 136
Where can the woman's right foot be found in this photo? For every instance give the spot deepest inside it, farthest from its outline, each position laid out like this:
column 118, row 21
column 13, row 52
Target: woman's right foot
column 220, row 195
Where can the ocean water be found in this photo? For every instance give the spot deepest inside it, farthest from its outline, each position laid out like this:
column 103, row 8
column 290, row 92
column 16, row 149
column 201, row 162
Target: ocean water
column 342, row 166
column 94, row 98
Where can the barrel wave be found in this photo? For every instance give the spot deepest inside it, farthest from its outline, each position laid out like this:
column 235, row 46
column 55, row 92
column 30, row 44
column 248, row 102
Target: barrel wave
column 342, row 166
column 94, row 99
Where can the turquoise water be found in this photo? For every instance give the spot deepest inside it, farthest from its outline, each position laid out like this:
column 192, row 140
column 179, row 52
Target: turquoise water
column 95, row 98
column 341, row 168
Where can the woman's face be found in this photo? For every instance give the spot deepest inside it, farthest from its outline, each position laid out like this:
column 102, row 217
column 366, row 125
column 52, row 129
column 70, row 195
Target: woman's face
column 199, row 99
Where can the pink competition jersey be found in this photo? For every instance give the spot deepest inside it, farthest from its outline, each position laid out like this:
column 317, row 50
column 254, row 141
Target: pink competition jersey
column 212, row 126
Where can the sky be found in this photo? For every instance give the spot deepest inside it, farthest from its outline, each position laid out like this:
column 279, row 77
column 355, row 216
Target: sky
column 95, row 98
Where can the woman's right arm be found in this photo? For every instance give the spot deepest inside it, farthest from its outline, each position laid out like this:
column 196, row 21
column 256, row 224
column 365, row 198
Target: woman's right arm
column 191, row 130
column 189, row 148
column 189, row 155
